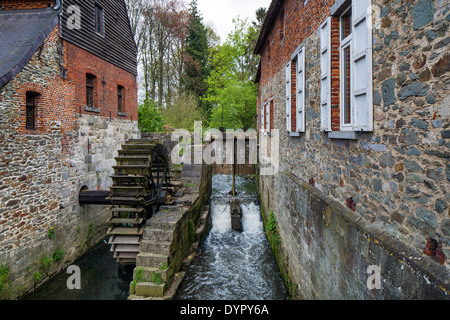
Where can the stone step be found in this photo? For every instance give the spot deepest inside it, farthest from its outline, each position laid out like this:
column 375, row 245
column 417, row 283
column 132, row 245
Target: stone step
column 158, row 235
column 204, row 217
column 159, row 247
column 152, row 260
column 147, row 273
column 150, row 289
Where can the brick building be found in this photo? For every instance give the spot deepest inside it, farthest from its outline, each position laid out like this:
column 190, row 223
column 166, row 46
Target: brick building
column 68, row 100
column 359, row 91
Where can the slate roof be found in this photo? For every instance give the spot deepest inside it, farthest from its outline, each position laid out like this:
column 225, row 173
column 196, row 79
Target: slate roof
column 21, row 34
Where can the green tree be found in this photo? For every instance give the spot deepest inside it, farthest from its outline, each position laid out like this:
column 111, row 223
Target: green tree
column 237, row 106
column 231, row 90
column 196, row 63
column 182, row 112
column 150, row 119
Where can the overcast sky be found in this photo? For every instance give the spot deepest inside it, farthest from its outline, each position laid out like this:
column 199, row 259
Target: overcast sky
column 220, row 13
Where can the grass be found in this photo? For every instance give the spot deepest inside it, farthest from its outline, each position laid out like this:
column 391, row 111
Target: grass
column 5, row 284
column 156, row 278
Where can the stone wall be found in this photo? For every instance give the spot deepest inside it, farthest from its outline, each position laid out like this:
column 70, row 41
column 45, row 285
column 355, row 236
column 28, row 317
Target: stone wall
column 397, row 175
column 325, row 249
column 42, row 171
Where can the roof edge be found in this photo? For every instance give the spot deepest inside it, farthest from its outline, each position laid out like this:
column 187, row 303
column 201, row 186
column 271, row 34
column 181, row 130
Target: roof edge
column 271, row 16
column 4, row 79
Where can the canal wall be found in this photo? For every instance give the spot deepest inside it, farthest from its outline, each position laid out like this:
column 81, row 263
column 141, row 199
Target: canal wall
column 172, row 235
column 327, row 251
column 43, row 228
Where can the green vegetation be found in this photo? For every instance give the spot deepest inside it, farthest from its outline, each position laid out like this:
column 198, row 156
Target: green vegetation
column 273, row 238
column 164, row 267
column 156, row 278
column 150, row 119
column 51, row 233
column 187, row 74
column 5, row 283
column 58, row 255
column 182, row 112
column 191, row 232
column 46, row 263
column 37, row 276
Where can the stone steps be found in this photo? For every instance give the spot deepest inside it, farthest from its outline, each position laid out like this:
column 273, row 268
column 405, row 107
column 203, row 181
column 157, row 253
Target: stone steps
column 152, row 260
column 150, row 289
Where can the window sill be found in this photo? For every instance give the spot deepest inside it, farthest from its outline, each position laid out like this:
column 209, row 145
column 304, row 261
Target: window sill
column 122, row 114
column 92, row 109
column 294, row 134
column 344, row 135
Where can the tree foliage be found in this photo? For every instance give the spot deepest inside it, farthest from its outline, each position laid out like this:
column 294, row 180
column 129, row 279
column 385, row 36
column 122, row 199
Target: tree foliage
column 231, row 90
column 196, row 58
column 160, row 28
column 150, row 119
column 182, row 112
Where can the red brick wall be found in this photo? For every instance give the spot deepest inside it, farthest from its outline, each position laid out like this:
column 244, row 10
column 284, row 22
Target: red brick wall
column 300, row 22
column 335, row 75
column 54, row 103
column 25, row 4
column 108, row 78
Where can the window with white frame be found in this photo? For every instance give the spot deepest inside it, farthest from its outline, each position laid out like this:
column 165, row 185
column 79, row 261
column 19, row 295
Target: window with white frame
column 355, row 68
column 295, row 92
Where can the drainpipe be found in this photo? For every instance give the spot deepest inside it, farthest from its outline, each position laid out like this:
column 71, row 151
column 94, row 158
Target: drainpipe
column 57, row 5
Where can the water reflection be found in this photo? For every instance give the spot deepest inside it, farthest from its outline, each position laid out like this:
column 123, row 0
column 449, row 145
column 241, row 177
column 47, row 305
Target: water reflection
column 102, row 278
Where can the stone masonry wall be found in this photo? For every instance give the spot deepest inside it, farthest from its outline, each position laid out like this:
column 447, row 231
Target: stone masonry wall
column 43, row 170
column 398, row 175
column 325, row 249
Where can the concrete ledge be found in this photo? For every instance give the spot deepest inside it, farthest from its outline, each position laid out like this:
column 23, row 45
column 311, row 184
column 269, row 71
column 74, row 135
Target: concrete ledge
column 343, row 135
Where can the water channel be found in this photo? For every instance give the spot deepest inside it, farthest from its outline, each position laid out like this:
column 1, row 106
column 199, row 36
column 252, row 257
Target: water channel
column 228, row 266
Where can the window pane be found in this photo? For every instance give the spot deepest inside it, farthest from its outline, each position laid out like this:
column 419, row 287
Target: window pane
column 119, row 98
column 346, row 85
column 30, row 115
column 346, row 24
column 31, row 99
column 98, row 19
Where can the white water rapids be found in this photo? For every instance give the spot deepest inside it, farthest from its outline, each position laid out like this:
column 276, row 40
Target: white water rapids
column 230, row 265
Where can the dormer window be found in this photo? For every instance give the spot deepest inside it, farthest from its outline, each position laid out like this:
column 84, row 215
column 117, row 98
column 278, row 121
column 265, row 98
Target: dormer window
column 99, row 20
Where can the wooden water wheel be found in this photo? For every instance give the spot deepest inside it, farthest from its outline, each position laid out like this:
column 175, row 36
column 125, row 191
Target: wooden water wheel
column 141, row 184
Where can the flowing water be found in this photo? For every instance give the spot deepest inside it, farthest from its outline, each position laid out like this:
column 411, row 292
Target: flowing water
column 230, row 265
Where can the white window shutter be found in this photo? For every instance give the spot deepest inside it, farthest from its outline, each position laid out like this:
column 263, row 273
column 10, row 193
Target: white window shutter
column 325, row 65
column 301, row 127
column 362, row 65
column 288, row 97
column 263, row 121
column 267, row 117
